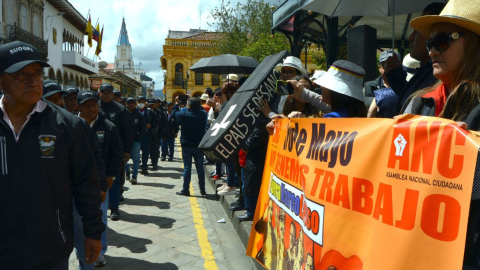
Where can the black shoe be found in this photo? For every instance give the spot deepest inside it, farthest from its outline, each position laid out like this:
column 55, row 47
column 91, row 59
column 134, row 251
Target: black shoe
column 133, row 181
column 144, row 172
column 127, row 175
column 155, row 167
column 114, row 215
column 203, row 192
column 163, row 159
column 244, row 218
column 183, row 193
column 122, row 198
column 170, row 159
column 236, row 207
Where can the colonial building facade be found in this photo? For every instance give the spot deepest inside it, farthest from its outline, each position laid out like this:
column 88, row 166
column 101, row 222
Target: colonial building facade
column 181, row 50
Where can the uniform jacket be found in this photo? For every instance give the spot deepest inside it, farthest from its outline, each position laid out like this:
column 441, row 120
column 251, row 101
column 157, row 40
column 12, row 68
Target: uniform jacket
column 92, row 138
column 171, row 126
column 119, row 116
column 51, row 164
column 109, row 141
column 150, row 117
column 139, row 128
column 162, row 121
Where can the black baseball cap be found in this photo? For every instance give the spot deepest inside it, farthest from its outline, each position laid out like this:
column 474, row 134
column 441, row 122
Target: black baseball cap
column 169, row 103
column 151, row 101
column 116, row 93
column 106, row 86
column 16, row 55
column 87, row 95
column 157, row 100
column 140, row 98
column 131, row 99
column 123, row 99
column 51, row 87
column 71, row 90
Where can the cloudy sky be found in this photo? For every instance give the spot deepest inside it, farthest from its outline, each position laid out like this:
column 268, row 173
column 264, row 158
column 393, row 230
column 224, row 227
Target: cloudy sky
column 148, row 22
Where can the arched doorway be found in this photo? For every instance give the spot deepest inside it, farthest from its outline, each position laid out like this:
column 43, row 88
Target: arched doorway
column 51, row 74
column 176, row 94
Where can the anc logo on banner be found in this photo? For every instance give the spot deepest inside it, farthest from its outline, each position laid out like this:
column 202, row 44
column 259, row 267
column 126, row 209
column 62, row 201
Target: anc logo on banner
column 370, row 194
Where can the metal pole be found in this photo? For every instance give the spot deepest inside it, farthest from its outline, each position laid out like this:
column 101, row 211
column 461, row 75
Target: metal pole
column 393, row 26
column 306, row 46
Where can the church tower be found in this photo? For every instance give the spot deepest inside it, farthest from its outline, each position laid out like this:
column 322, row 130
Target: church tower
column 124, row 58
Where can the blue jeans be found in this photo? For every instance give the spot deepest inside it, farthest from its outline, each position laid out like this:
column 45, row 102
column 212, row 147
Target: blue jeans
column 135, row 159
column 114, row 193
column 197, row 155
column 168, row 147
column 145, row 146
column 218, row 169
column 250, row 202
column 79, row 238
column 231, row 176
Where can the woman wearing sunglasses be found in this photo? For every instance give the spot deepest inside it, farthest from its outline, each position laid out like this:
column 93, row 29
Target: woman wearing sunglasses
column 454, row 49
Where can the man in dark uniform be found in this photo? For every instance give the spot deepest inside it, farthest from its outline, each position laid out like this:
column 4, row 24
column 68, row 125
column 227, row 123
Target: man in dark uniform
column 151, row 127
column 123, row 101
column 118, row 115
column 53, row 92
column 70, row 99
column 138, row 135
column 159, row 133
column 107, row 137
column 33, row 134
column 117, row 96
column 171, row 133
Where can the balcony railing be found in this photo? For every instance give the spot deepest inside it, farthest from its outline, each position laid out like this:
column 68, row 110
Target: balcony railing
column 16, row 33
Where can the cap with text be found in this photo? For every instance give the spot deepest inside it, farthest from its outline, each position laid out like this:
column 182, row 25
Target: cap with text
column 16, row 55
column 51, row 87
column 84, row 96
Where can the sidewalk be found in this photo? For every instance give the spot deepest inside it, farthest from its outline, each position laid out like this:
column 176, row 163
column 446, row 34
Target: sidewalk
column 161, row 230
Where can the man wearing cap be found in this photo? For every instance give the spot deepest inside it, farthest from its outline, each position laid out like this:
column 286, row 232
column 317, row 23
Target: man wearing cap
column 117, row 96
column 289, row 69
column 231, row 78
column 70, row 99
column 53, row 92
column 119, row 116
column 46, row 162
column 171, row 133
column 387, row 61
column 108, row 139
column 138, row 134
column 157, row 133
column 423, row 77
column 203, row 101
column 123, row 101
column 151, row 128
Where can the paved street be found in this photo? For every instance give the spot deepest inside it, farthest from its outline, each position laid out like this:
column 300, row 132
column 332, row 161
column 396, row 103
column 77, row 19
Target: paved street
column 161, row 230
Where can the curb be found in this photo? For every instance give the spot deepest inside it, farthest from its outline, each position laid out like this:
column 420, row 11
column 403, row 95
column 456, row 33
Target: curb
column 242, row 228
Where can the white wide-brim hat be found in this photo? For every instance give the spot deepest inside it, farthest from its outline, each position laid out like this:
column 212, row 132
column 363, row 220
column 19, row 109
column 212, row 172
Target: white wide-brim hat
column 317, row 74
column 293, row 62
column 462, row 13
column 344, row 77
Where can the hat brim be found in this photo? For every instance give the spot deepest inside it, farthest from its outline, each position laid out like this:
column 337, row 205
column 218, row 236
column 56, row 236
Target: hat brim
column 18, row 66
column 341, row 87
column 49, row 94
column 424, row 24
column 278, row 68
column 89, row 98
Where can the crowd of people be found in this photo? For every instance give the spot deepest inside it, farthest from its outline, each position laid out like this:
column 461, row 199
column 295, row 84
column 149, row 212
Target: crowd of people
column 49, row 134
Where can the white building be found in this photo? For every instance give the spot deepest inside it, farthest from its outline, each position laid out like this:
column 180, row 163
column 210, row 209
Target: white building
column 64, row 31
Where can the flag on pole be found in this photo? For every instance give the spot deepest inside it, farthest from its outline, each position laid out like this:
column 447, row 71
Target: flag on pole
column 99, row 45
column 89, row 30
column 96, row 32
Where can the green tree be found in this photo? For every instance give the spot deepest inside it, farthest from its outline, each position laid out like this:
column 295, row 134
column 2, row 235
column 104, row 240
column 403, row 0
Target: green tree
column 246, row 30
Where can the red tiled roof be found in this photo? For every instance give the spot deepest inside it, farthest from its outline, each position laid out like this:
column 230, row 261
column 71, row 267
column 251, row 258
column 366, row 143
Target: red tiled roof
column 205, row 36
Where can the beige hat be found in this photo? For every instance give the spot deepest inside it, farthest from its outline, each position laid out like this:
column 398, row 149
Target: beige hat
column 232, row 77
column 344, row 77
column 293, row 62
column 462, row 13
column 204, row 97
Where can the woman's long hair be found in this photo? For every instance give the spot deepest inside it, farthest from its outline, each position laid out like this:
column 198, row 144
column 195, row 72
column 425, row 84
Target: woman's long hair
column 228, row 89
column 355, row 107
column 290, row 103
column 466, row 92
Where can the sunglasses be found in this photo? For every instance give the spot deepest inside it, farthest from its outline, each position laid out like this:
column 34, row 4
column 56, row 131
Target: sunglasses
column 442, row 41
column 288, row 71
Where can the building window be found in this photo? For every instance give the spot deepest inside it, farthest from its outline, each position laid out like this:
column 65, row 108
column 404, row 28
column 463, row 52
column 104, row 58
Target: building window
column 216, row 79
column 24, row 18
column 178, row 74
column 198, row 78
column 10, row 12
column 36, row 26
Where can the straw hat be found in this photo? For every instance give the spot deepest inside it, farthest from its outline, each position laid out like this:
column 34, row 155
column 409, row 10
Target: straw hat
column 463, row 13
column 293, row 62
column 344, row 77
column 232, row 77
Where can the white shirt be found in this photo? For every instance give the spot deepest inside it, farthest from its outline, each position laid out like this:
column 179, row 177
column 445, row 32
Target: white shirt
column 39, row 107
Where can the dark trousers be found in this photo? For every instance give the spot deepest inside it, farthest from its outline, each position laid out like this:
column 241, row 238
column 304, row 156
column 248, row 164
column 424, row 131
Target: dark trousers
column 250, row 202
column 145, row 147
column 168, row 147
column 115, row 191
column 218, row 169
column 155, row 150
column 61, row 264
column 472, row 247
column 197, row 155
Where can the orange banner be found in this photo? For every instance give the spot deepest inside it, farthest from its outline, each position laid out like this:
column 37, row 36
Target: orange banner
column 365, row 194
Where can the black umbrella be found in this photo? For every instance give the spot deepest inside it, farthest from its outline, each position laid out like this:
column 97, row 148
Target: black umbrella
column 225, row 64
